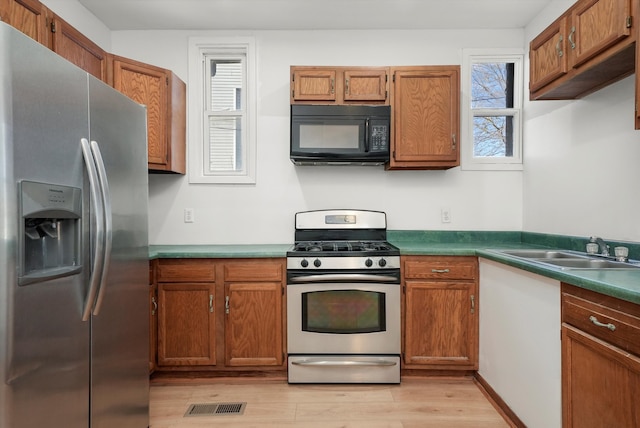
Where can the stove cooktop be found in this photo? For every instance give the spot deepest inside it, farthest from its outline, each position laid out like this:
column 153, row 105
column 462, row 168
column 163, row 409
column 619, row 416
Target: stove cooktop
column 344, row 247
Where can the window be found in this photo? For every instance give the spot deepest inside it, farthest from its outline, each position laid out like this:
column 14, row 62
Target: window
column 222, row 110
column 491, row 112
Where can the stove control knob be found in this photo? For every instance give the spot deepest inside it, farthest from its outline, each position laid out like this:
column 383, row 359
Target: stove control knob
column 317, row 262
column 382, row 263
column 304, row 263
column 368, row 263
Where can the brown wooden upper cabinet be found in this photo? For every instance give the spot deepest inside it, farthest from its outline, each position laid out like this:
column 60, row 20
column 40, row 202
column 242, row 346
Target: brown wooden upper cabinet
column 339, row 85
column 28, row 16
column 590, row 46
column 425, row 114
column 74, row 46
column 164, row 94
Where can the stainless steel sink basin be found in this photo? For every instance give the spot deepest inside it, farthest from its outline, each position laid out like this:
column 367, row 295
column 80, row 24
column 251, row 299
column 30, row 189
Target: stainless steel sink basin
column 567, row 259
column 541, row 254
column 589, row 263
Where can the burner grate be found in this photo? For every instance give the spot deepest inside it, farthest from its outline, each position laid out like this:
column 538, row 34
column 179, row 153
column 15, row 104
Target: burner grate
column 344, row 246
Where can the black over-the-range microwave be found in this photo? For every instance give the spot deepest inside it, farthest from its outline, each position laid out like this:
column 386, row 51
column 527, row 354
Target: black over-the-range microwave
column 340, row 134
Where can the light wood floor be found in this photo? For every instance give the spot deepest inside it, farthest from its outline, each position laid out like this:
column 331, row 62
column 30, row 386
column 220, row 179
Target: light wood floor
column 415, row 403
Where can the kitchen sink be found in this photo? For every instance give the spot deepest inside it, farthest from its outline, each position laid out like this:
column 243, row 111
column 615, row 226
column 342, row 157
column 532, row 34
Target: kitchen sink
column 589, row 263
column 542, row 254
column 567, row 259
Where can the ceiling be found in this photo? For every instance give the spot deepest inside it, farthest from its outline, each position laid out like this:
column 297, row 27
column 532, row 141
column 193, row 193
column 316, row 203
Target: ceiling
column 313, row 14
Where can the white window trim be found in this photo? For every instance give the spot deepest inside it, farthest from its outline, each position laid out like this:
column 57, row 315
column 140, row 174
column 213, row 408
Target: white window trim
column 198, row 47
column 468, row 161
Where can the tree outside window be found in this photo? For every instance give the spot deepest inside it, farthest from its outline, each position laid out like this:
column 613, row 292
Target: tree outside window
column 494, row 103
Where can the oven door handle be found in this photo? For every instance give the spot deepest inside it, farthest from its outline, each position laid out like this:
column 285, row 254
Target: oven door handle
column 327, row 363
column 345, row 277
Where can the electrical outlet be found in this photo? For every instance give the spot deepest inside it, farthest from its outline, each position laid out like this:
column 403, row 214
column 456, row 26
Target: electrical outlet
column 189, row 216
column 445, row 215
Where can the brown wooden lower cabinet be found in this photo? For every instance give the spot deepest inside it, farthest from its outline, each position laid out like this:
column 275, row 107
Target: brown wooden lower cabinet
column 218, row 314
column 440, row 313
column 253, row 324
column 186, row 324
column 600, row 360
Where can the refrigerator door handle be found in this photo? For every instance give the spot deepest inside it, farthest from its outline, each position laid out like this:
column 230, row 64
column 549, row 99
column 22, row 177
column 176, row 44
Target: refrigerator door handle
column 108, row 223
column 98, row 252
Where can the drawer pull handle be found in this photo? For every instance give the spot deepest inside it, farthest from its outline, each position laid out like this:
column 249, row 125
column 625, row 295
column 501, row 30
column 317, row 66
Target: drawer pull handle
column 595, row 321
column 210, row 302
column 439, row 270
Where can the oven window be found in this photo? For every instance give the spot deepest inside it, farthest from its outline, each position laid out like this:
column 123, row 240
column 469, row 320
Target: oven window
column 343, row 311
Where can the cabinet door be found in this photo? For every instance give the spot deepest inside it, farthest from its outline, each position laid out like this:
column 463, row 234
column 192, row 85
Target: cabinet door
column 72, row 45
column 597, row 25
column 548, row 55
column 164, row 94
column 28, row 16
column 600, row 383
column 186, row 324
column 253, row 324
column 313, row 84
column 365, row 84
column 441, row 324
column 426, row 110
column 146, row 85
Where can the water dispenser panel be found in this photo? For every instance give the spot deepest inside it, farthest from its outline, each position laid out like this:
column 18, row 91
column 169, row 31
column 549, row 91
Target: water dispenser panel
column 50, row 238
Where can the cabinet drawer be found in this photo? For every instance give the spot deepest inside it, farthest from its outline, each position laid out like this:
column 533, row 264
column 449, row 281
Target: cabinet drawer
column 427, row 267
column 186, row 270
column 254, row 270
column 617, row 327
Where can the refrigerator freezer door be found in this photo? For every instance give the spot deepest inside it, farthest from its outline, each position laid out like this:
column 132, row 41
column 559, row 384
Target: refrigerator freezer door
column 44, row 345
column 120, row 324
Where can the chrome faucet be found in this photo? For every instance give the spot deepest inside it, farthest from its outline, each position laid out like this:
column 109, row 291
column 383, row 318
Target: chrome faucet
column 604, row 248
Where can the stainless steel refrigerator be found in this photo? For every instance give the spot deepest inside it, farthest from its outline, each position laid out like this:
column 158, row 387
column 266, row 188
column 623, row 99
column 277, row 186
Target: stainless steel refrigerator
column 73, row 246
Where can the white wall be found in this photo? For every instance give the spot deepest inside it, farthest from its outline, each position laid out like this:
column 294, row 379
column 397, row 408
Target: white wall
column 263, row 213
column 580, row 156
column 581, row 159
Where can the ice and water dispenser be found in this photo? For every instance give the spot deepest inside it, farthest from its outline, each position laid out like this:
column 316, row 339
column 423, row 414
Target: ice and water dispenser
column 51, row 228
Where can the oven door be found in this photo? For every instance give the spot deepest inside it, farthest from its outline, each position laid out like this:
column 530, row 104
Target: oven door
column 343, row 318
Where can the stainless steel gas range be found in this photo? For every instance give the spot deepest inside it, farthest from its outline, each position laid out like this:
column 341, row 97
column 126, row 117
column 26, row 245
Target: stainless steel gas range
column 343, row 299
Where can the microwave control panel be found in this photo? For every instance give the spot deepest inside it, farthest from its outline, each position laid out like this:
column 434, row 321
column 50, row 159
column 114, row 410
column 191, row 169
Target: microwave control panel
column 379, row 140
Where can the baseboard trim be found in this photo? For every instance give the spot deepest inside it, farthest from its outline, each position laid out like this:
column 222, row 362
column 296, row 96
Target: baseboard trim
column 502, row 407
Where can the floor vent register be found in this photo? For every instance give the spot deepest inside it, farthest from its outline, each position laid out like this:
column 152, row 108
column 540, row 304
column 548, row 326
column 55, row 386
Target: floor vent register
column 215, row 409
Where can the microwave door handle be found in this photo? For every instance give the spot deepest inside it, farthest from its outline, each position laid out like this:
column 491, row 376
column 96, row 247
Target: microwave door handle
column 366, row 136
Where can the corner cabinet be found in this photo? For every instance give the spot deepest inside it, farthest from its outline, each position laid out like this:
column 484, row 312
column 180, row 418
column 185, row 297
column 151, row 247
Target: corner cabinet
column 339, row 85
column 164, row 94
column 600, row 360
column 441, row 312
column 425, row 110
column 587, row 48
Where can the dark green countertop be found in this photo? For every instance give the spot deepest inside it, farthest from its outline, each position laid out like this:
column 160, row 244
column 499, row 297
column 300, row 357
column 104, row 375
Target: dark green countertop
column 217, row 251
column 623, row 284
